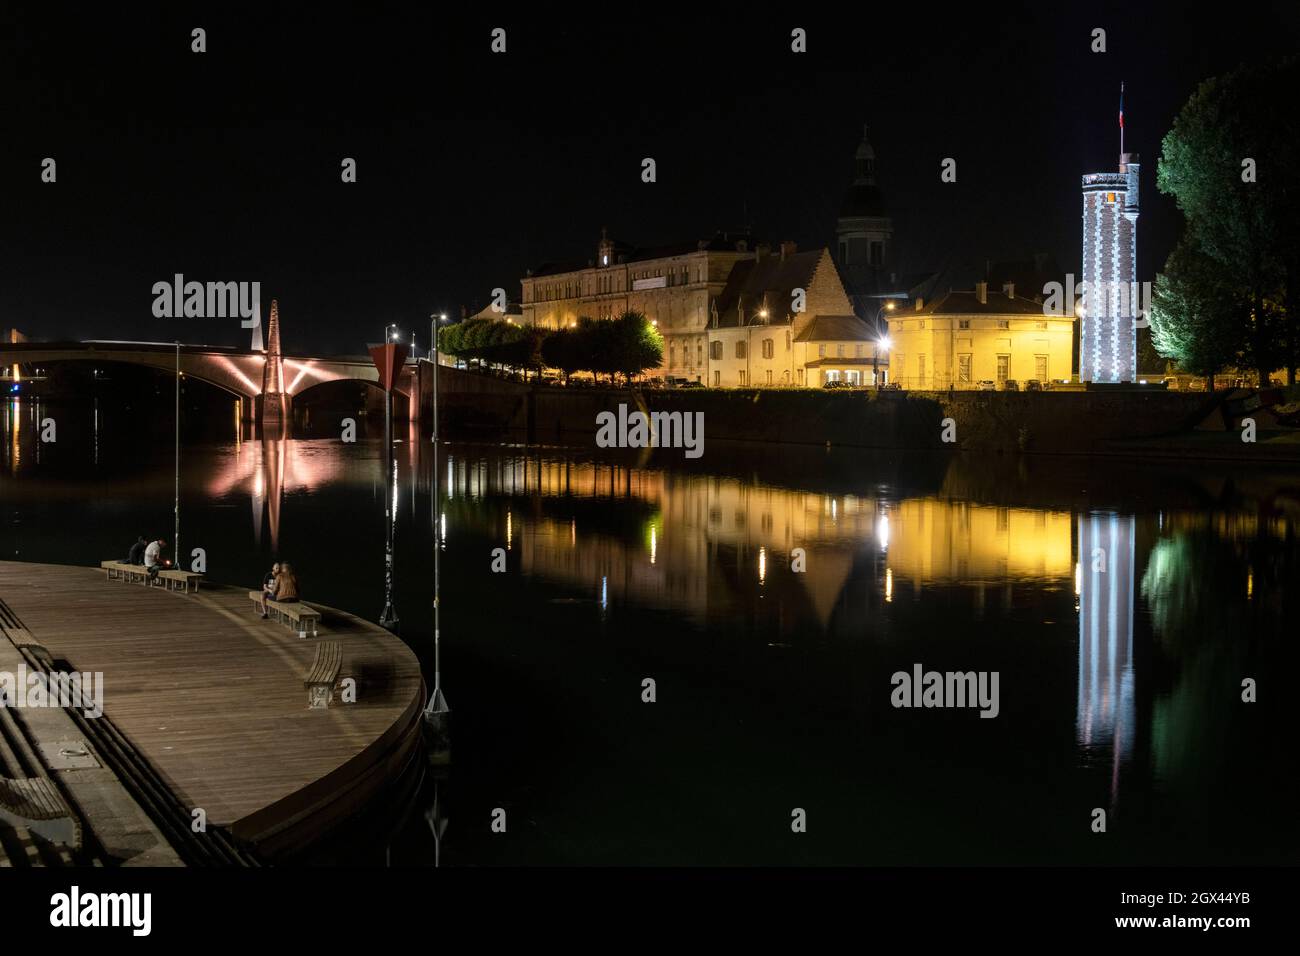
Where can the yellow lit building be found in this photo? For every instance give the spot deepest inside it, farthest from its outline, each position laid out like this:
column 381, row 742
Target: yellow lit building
column 968, row 338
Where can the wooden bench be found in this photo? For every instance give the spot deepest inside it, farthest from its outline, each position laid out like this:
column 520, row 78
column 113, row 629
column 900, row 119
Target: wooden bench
column 324, row 674
column 37, row 805
column 296, row 612
column 177, row 580
column 126, row 573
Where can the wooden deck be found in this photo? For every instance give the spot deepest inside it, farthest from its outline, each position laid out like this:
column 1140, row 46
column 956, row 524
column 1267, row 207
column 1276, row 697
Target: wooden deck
column 212, row 696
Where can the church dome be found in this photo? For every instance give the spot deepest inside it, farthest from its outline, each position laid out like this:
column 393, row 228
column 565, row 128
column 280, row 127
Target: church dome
column 862, row 199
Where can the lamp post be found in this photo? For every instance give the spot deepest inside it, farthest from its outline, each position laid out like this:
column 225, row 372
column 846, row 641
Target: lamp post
column 882, row 341
column 389, row 357
column 435, row 713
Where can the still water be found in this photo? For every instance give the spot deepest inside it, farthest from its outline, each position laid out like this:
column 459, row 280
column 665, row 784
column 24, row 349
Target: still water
column 1122, row 606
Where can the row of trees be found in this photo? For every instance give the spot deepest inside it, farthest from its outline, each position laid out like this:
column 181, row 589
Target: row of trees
column 627, row 345
column 1232, row 164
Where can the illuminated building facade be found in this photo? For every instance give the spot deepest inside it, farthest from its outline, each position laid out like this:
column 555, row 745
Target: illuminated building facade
column 1108, row 335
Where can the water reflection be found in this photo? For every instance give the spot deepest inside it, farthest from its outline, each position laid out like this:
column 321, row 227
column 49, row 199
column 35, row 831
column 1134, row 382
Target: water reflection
column 772, row 598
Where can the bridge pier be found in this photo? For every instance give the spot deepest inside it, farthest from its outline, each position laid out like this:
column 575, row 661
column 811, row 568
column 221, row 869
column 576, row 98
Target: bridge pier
column 274, row 412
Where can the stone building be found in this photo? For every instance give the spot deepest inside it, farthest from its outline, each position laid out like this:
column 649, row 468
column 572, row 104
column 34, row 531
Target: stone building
column 785, row 319
column 1108, row 333
column 674, row 286
column 966, row 338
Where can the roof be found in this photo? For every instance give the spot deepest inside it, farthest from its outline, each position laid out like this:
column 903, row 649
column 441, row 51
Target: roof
column 771, row 280
column 835, row 328
column 966, row 303
column 626, row 252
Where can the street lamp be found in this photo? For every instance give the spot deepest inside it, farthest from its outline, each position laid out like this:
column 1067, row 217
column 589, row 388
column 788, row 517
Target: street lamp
column 882, row 342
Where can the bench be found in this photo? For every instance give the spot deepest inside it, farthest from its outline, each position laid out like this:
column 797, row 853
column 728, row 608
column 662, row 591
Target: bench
column 306, row 618
column 324, row 674
column 177, row 580
column 37, row 805
column 126, row 573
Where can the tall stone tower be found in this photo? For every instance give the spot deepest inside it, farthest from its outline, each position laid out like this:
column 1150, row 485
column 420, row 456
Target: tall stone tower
column 1108, row 334
column 273, row 404
column 864, row 233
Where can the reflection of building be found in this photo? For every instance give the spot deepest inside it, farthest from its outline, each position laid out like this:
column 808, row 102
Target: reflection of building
column 1108, row 336
column 970, row 337
column 1105, row 580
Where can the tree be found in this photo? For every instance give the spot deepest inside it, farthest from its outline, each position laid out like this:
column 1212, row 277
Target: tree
column 1231, row 162
column 1195, row 313
column 563, row 350
column 634, row 345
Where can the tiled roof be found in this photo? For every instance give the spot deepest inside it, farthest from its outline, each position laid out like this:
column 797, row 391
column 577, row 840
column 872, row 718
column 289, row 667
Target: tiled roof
column 835, row 328
column 625, row 252
column 770, row 280
column 968, row 303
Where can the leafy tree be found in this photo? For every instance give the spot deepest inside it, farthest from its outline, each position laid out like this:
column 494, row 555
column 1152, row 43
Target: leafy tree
column 635, row 345
column 563, row 350
column 1232, row 161
column 1195, row 312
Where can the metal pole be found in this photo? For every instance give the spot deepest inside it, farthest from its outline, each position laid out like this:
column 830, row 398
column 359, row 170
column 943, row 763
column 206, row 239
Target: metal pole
column 436, row 711
column 176, row 533
column 389, row 618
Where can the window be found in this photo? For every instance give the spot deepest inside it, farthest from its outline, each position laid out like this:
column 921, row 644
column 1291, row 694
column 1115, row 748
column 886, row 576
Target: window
column 832, row 375
column 715, row 352
column 877, row 253
column 920, row 324
column 1004, row 368
column 769, row 376
column 742, row 377
column 839, row 351
column 1040, row 325
column 787, row 341
column 821, row 351
column 717, row 378
column 963, row 367
column 1004, row 323
column 857, row 350
column 769, row 348
column 920, row 367
column 740, row 350
column 1040, row 367
column 963, row 323
column 853, row 377
column 672, row 355
column 699, row 353
column 800, row 376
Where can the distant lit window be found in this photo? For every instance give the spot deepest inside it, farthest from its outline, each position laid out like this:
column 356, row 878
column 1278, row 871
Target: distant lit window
column 715, row 351
column 1004, row 323
column 963, row 323
column 740, row 350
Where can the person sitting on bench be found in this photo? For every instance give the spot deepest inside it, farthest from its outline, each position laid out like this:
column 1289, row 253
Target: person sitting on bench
column 153, row 558
column 136, row 554
column 268, row 585
column 286, row 585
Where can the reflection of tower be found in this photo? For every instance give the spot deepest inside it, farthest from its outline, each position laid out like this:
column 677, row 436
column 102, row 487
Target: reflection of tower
column 268, row 490
column 1107, row 337
column 1104, row 718
column 273, row 372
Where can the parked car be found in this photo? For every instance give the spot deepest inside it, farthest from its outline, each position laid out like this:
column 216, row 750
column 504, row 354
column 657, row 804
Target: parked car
column 1033, row 385
column 1010, row 385
column 836, row 383
column 891, row 387
column 987, row 385
column 691, row 384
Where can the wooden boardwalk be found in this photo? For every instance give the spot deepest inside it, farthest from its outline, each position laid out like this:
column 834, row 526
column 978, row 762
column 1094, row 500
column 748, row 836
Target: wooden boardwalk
column 213, row 696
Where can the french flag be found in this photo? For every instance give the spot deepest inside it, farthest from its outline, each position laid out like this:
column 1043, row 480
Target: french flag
column 1121, row 106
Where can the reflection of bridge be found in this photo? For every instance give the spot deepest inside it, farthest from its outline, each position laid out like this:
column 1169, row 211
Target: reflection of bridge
column 265, row 382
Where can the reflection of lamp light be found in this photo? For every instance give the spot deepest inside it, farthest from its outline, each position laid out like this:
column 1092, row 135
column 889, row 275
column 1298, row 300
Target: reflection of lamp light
column 882, row 532
column 762, row 565
column 889, row 585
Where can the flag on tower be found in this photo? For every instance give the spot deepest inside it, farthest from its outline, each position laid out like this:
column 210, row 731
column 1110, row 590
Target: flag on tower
column 1121, row 106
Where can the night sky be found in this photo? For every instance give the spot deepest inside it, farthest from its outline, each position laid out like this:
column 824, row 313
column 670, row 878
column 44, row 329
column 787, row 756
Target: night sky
column 472, row 167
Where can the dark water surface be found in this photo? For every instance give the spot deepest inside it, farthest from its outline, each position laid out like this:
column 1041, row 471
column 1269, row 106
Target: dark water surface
column 1121, row 604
